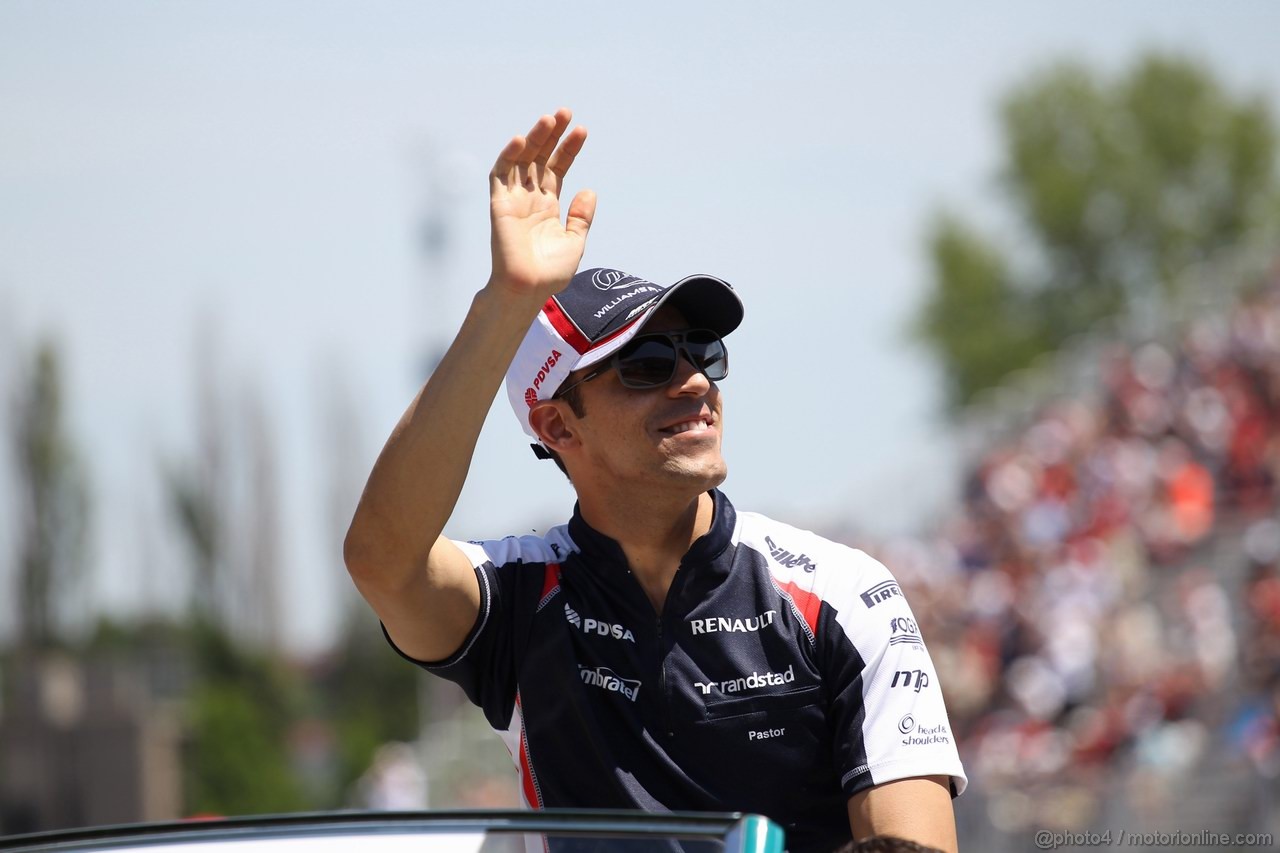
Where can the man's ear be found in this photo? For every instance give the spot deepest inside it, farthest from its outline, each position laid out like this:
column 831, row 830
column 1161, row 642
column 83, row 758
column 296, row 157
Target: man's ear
column 548, row 419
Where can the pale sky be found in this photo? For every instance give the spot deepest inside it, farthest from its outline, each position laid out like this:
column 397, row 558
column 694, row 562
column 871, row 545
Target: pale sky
column 255, row 174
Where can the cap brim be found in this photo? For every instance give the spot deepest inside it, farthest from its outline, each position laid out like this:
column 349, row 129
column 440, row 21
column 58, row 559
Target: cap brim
column 705, row 301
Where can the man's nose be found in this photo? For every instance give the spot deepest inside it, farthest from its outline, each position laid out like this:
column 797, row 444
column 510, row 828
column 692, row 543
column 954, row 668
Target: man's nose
column 688, row 380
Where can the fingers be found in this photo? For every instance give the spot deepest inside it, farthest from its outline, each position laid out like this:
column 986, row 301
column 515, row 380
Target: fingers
column 582, row 210
column 564, row 156
column 521, row 150
column 508, row 157
column 532, row 149
column 561, row 119
column 542, row 131
column 540, row 160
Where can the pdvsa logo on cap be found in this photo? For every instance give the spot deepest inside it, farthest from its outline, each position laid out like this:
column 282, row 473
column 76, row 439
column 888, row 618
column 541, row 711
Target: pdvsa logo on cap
column 612, row 279
column 531, row 393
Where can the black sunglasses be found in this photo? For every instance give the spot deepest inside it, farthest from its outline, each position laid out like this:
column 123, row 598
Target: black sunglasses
column 650, row 360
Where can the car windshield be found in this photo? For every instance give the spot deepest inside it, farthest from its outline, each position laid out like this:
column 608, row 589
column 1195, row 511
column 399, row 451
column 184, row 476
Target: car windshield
column 452, row 832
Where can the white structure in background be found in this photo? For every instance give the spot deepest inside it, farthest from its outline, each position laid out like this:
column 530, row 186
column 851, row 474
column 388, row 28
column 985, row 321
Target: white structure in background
column 396, row 781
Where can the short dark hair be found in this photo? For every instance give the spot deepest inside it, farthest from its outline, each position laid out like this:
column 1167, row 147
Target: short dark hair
column 574, row 399
column 886, row 844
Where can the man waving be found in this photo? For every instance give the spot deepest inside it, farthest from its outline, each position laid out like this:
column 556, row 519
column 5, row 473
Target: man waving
column 662, row 650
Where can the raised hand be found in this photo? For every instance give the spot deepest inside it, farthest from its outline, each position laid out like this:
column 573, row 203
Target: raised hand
column 534, row 255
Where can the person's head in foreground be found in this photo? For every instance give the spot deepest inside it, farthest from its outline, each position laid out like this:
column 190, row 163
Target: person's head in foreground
column 616, row 380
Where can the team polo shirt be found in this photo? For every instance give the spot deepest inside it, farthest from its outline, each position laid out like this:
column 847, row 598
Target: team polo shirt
column 784, row 674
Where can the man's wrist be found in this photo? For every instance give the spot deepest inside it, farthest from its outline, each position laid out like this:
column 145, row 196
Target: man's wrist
column 498, row 293
column 505, row 307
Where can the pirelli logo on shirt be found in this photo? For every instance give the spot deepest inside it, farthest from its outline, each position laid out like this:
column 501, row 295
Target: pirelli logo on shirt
column 881, row 592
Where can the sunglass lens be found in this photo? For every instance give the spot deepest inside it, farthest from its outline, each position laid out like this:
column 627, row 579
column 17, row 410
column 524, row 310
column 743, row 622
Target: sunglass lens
column 647, row 362
column 708, row 353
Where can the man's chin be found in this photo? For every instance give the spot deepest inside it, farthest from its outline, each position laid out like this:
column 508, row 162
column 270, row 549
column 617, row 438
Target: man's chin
column 702, row 473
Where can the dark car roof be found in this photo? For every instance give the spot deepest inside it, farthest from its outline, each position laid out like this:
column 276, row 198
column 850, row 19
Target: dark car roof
column 393, row 832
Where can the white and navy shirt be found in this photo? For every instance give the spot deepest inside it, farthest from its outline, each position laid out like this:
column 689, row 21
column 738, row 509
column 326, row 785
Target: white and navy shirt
column 785, row 674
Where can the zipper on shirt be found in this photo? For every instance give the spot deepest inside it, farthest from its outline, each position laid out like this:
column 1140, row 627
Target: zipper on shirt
column 662, row 682
column 664, row 699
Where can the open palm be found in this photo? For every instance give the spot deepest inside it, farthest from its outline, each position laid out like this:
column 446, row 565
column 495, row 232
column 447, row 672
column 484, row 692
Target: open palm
column 534, row 254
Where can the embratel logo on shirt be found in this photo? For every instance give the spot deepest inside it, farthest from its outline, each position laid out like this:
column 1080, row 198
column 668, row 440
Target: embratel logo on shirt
column 607, row 679
column 748, row 682
column 593, row 626
column 882, row 591
column 904, row 632
column 788, row 559
column 719, row 624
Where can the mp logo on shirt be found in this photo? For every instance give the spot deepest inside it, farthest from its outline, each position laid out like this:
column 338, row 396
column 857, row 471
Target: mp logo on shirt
column 607, row 679
column 594, row 626
column 917, row 678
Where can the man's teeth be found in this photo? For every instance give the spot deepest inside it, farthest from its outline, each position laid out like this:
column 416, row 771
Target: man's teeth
column 697, row 426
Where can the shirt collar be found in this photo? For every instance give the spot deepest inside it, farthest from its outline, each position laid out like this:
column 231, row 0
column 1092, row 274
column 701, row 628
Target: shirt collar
column 596, row 546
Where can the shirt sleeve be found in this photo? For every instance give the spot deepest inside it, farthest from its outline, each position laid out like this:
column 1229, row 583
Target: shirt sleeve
column 510, row 572
column 888, row 716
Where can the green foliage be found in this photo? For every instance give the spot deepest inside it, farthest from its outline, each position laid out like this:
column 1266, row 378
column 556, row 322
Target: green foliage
column 196, row 514
column 238, row 763
column 53, row 500
column 978, row 296
column 240, row 710
column 371, row 696
column 240, row 716
column 244, row 710
column 1119, row 186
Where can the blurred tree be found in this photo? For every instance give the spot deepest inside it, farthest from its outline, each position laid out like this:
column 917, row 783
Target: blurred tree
column 370, row 695
column 240, row 717
column 367, row 694
column 342, row 451
column 224, row 499
column 979, row 294
column 53, row 500
column 244, row 700
column 197, row 490
column 1118, row 187
column 259, row 579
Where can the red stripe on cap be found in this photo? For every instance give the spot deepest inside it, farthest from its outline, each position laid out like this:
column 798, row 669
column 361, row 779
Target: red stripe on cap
column 572, row 335
column 808, row 604
column 565, row 328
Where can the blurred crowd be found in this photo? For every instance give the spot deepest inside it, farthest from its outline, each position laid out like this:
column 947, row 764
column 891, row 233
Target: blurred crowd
column 1104, row 602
